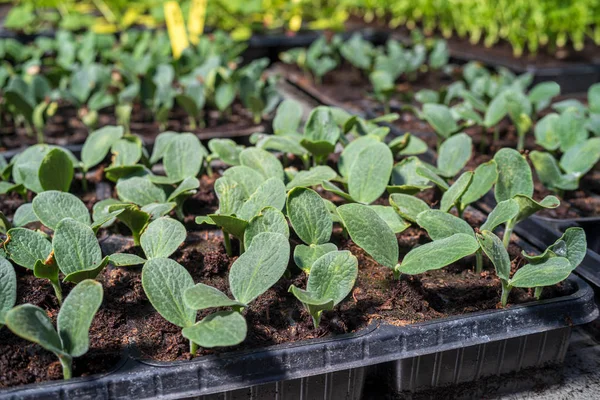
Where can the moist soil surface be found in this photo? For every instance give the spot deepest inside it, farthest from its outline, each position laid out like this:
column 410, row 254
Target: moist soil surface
column 66, row 128
column 127, row 317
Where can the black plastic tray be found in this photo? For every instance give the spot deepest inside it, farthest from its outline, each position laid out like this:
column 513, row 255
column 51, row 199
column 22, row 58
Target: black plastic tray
column 591, row 226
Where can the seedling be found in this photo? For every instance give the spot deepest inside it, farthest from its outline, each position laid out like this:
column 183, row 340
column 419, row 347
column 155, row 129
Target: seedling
column 171, row 290
column 71, row 337
column 331, row 278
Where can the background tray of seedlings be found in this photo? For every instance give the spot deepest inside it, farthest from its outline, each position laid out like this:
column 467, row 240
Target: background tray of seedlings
column 56, row 90
column 349, row 276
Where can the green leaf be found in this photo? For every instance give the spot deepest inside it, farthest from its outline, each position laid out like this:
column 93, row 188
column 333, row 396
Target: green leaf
column 594, row 98
column 116, row 173
column 484, row 178
column 438, row 254
column 453, row 195
column 185, row 188
column 502, row 213
column 571, row 245
column 546, row 134
column 391, row 218
column 260, row 267
column 223, row 328
column 270, row 193
column 263, row 162
column 548, row 273
column 493, row 247
column 570, row 129
column 231, row 195
column 351, row 152
column 496, row 110
column 165, row 282
column 330, row 187
column 48, row 271
column 287, row 117
column 52, row 206
column 31, row 323
column 24, row 215
column 428, row 172
column 283, row 144
column 25, row 247
column 140, row 191
column 542, row 93
column 528, row 206
column 549, row 173
column 321, row 133
column 440, row 224
column 407, row 172
column 309, row 216
column 125, row 260
column 98, row 144
column 183, row 157
column 370, row 233
column 162, row 237
column 126, row 151
column 514, row 175
column 440, row 118
column 8, row 288
column 581, row 158
column 313, row 177
column 226, row 150
column 454, row 153
column 268, row 219
column 160, row 145
column 201, row 297
column 230, row 224
column 370, row 173
column 131, row 215
column 248, row 179
column 56, row 171
column 76, row 316
column 75, row 247
column 409, row 207
column 305, row 256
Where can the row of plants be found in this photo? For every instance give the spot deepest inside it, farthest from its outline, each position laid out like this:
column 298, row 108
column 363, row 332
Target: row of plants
column 133, row 77
column 525, row 26
column 309, row 215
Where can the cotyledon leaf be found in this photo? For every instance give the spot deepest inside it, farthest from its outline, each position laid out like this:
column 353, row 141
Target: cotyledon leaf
column 493, row 247
column 309, row 216
column 263, row 162
column 370, row 173
column 269, row 219
column 25, row 247
column 8, row 288
column 440, row 224
column 503, row 212
column 53, row 206
column 305, row 256
column 223, row 328
column 409, row 207
column 514, row 175
column 548, row 273
column 201, row 296
column 162, row 237
column 75, row 247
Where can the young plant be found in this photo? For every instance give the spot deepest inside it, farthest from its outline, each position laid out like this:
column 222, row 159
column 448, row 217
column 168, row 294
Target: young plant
column 71, row 337
column 321, row 134
column 331, row 278
column 171, row 290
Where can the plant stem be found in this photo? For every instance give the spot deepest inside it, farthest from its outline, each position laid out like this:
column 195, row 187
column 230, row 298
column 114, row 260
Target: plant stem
column 538, row 292
column 40, row 135
column 209, row 170
column 507, row 233
column 57, row 291
column 505, row 292
column 67, row 366
column 84, row 182
column 242, row 247
column 227, row 242
column 496, row 134
column 521, row 143
column 193, row 348
column 478, row 261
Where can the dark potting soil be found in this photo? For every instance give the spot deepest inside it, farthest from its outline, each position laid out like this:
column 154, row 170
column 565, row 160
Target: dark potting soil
column 126, row 316
column 66, row 128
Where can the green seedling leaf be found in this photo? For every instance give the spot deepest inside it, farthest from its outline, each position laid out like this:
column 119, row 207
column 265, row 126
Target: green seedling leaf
column 453, row 195
column 438, row 254
column 140, row 191
column 370, row 233
column 313, row 177
column 321, row 133
column 226, row 150
column 305, row 256
column 52, row 206
column 407, row 172
column 484, row 178
column 31, row 323
column 351, row 152
column 545, row 132
column 268, row 219
column 263, row 162
column 187, row 187
column 134, row 218
column 24, row 215
column 370, row 173
column 223, row 328
column 390, row 217
column 440, row 118
column 548, row 273
column 497, row 109
column 201, row 297
column 76, row 248
column 98, row 144
column 309, row 216
column 502, row 213
column 116, row 173
column 570, row 129
column 287, row 117
column 8, row 288
column 549, row 172
column 48, row 270
column 260, row 267
column 56, row 171
column 440, row 224
column 594, row 98
column 409, row 207
column 231, row 195
column 165, row 282
column 542, row 93
column 454, row 153
column 25, row 247
column 248, row 179
column 571, row 245
column 330, row 187
column 528, row 206
column 271, row 193
column 76, row 316
column 429, row 173
column 581, row 158
column 125, row 260
column 514, row 175
column 284, row 144
column 332, row 277
column 160, row 145
column 162, row 237
column 183, row 157
column 493, row 247
column 126, row 151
